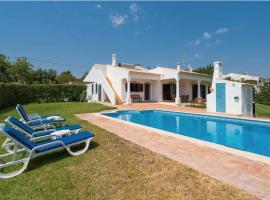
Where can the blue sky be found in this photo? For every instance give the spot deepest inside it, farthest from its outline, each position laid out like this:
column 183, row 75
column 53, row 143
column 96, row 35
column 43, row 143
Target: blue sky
column 80, row 34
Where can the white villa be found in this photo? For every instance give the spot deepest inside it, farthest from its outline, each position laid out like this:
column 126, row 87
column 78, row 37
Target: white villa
column 125, row 83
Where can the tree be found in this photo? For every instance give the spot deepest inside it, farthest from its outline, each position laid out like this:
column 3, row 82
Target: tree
column 21, row 71
column 43, row 76
column 52, row 74
column 4, row 67
column 209, row 69
column 65, row 77
column 263, row 96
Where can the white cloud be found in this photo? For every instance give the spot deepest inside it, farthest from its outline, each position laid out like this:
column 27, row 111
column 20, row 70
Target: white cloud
column 99, row 6
column 196, row 56
column 206, row 35
column 118, row 20
column 133, row 8
column 209, row 39
column 222, row 30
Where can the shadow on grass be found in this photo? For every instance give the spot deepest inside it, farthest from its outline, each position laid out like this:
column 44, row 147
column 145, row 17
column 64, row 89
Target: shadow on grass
column 54, row 157
column 5, row 110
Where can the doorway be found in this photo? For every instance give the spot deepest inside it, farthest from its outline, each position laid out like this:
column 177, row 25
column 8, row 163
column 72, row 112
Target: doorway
column 195, row 91
column 168, row 92
column 146, row 91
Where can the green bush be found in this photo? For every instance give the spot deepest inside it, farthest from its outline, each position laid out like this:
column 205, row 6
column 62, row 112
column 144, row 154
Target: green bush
column 11, row 94
column 263, row 97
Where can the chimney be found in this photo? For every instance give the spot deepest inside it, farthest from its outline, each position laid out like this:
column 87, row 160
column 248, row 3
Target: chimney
column 190, row 68
column 217, row 70
column 178, row 66
column 114, row 60
column 218, row 75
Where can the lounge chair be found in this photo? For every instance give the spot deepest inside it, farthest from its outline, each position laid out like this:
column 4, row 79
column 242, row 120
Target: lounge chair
column 31, row 149
column 31, row 133
column 38, row 121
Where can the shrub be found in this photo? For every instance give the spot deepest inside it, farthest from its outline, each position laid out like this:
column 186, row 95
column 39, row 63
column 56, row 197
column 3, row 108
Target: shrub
column 11, row 94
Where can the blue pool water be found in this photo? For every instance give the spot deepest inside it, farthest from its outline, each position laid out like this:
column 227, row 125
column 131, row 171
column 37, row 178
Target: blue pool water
column 246, row 135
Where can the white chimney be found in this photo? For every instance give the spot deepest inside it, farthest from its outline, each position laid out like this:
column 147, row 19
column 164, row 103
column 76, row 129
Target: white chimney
column 217, row 70
column 114, row 60
column 218, row 75
column 178, row 66
column 190, row 68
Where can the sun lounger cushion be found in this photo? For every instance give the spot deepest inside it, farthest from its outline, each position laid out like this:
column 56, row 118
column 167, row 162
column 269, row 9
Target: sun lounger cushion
column 22, row 112
column 21, row 125
column 67, row 140
column 30, row 145
column 29, row 130
column 45, row 117
column 36, row 123
column 47, row 132
column 19, row 137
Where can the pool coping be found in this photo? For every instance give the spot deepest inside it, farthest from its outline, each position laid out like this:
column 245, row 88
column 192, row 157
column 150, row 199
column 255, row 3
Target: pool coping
column 230, row 150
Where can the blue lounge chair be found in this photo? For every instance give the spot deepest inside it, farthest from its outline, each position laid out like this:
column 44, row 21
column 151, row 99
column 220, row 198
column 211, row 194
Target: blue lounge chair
column 31, row 149
column 31, row 133
column 37, row 121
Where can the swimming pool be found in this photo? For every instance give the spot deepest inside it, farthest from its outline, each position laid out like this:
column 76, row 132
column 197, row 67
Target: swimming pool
column 247, row 135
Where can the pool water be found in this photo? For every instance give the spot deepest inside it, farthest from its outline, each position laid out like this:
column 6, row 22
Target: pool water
column 247, row 135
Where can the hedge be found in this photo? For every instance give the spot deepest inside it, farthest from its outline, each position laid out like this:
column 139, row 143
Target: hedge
column 11, row 94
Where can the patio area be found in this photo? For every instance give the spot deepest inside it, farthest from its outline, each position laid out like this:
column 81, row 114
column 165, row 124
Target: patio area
column 252, row 176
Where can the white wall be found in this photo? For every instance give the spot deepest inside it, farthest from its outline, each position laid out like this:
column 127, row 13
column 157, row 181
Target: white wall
column 232, row 91
column 117, row 76
column 239, row 98
column 92, row 96
column 185, row 87
column 97, row 76
column 166, row 73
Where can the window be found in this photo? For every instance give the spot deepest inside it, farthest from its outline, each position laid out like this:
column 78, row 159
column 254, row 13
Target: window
column 135, row 87
column 92, row 88
column 96, row 88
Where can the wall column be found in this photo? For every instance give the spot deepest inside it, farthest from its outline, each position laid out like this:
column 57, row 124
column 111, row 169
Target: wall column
column 128, row 99
column 199, row 88
column 159, row 90
column 177, row 97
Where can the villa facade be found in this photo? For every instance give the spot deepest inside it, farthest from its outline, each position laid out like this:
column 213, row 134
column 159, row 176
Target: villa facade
column 125, row 83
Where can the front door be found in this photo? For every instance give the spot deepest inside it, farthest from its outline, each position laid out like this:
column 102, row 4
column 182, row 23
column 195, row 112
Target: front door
column 147, row 91
column 194, row 91
column 220, row 97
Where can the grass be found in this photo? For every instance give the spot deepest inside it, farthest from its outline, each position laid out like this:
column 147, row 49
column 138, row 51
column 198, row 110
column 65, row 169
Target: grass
column 113, row 168
column 263, row 110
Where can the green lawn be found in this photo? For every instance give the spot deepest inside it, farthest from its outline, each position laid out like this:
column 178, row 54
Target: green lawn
column 112, row 168
column 262, row 110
